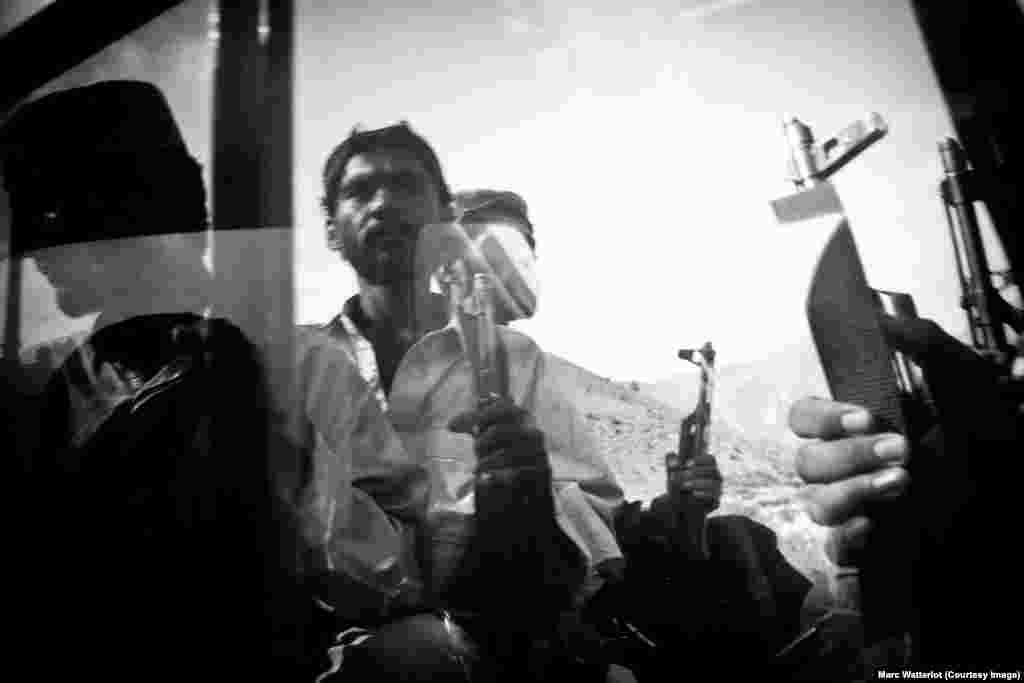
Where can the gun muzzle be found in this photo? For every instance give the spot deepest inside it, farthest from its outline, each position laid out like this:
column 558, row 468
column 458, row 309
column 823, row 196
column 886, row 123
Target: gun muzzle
column 979, row 299
column 810, row 163
column 803, row 164
column 706, row 352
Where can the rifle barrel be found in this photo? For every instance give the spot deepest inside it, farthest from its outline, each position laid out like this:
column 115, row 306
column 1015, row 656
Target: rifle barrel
column 979, row 295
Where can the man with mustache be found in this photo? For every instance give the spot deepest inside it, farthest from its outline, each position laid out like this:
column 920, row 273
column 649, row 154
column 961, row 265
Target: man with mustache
column 449, row 538
column 498, row 527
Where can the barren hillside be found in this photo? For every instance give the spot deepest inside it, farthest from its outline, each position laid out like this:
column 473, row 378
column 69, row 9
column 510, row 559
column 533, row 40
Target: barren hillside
column 636, row 429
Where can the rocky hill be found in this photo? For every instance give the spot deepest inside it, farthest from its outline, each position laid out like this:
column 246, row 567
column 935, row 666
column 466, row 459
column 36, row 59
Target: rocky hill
column 637, row 424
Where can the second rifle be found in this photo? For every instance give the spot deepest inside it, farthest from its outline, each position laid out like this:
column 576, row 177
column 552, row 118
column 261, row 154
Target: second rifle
column 694, row 436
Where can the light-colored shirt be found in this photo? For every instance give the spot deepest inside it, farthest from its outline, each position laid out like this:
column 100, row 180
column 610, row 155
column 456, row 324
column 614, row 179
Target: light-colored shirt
column 384, row 465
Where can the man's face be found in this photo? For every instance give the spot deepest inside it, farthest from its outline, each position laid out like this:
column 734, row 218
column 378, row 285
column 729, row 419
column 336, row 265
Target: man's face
column 77, row 271
column 385, row 197
column 76, row 277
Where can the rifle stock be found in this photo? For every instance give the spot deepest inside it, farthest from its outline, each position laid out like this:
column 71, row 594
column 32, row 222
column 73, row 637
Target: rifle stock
column 860, row 367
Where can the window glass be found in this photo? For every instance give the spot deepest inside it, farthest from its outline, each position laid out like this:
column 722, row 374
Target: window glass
column 175, row 52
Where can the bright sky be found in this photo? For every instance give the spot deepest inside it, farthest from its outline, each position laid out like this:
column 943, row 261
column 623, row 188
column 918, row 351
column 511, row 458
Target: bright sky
column 647, row 142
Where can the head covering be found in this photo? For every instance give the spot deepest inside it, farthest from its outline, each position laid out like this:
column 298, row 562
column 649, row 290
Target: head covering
column 499, row 237
column 397, row 136
column 482, row 205
column 75, row 158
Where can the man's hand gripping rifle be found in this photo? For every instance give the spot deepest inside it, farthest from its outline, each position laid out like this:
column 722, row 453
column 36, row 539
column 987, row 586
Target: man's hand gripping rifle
column 844, row 315
column 515, row 533
column 853, row 326
column 680, row 508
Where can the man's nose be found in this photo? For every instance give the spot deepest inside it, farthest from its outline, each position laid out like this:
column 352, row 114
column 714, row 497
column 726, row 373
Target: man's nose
column 383, row 197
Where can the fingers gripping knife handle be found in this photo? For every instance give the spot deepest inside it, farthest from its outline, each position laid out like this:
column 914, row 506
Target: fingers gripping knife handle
column 861, row 368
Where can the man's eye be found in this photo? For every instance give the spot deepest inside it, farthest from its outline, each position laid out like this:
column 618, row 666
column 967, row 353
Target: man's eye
column 405, row 184
column 408, row 183
column 356, row 190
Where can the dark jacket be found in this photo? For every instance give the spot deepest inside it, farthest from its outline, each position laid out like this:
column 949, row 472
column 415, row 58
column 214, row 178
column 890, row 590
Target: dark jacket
column 152, row 537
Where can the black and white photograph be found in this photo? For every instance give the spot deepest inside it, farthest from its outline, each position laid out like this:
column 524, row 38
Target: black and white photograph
column 520, row 340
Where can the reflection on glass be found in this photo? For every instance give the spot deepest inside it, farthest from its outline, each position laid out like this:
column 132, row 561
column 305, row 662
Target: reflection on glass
column 173, row 53
column 140, row 418
column 646, row 140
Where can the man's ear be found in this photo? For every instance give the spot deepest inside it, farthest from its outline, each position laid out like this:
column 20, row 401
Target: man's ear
column 333, row 235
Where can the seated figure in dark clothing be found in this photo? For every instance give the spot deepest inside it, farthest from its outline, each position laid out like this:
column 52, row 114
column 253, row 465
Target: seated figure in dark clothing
column 149, row 541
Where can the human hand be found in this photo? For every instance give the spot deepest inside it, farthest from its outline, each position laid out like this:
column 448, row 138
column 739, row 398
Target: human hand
column 512, row 463
column 853, row 464
column 515, row 530
column 849, row 466
column 698, row 480
column 504, row 436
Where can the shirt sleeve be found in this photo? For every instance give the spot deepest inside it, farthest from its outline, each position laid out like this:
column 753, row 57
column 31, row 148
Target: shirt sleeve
column 359, row 499
column 587, row 493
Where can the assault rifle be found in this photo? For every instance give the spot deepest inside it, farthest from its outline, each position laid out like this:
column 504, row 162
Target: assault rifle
column 694, row 433
column 843, row 314
column 861, row 368
column 988, row 313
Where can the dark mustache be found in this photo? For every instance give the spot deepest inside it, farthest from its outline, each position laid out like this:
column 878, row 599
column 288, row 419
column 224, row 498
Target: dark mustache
column 388, row 224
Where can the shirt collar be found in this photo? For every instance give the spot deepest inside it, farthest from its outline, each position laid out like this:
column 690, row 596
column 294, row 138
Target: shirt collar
column 353, row 310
